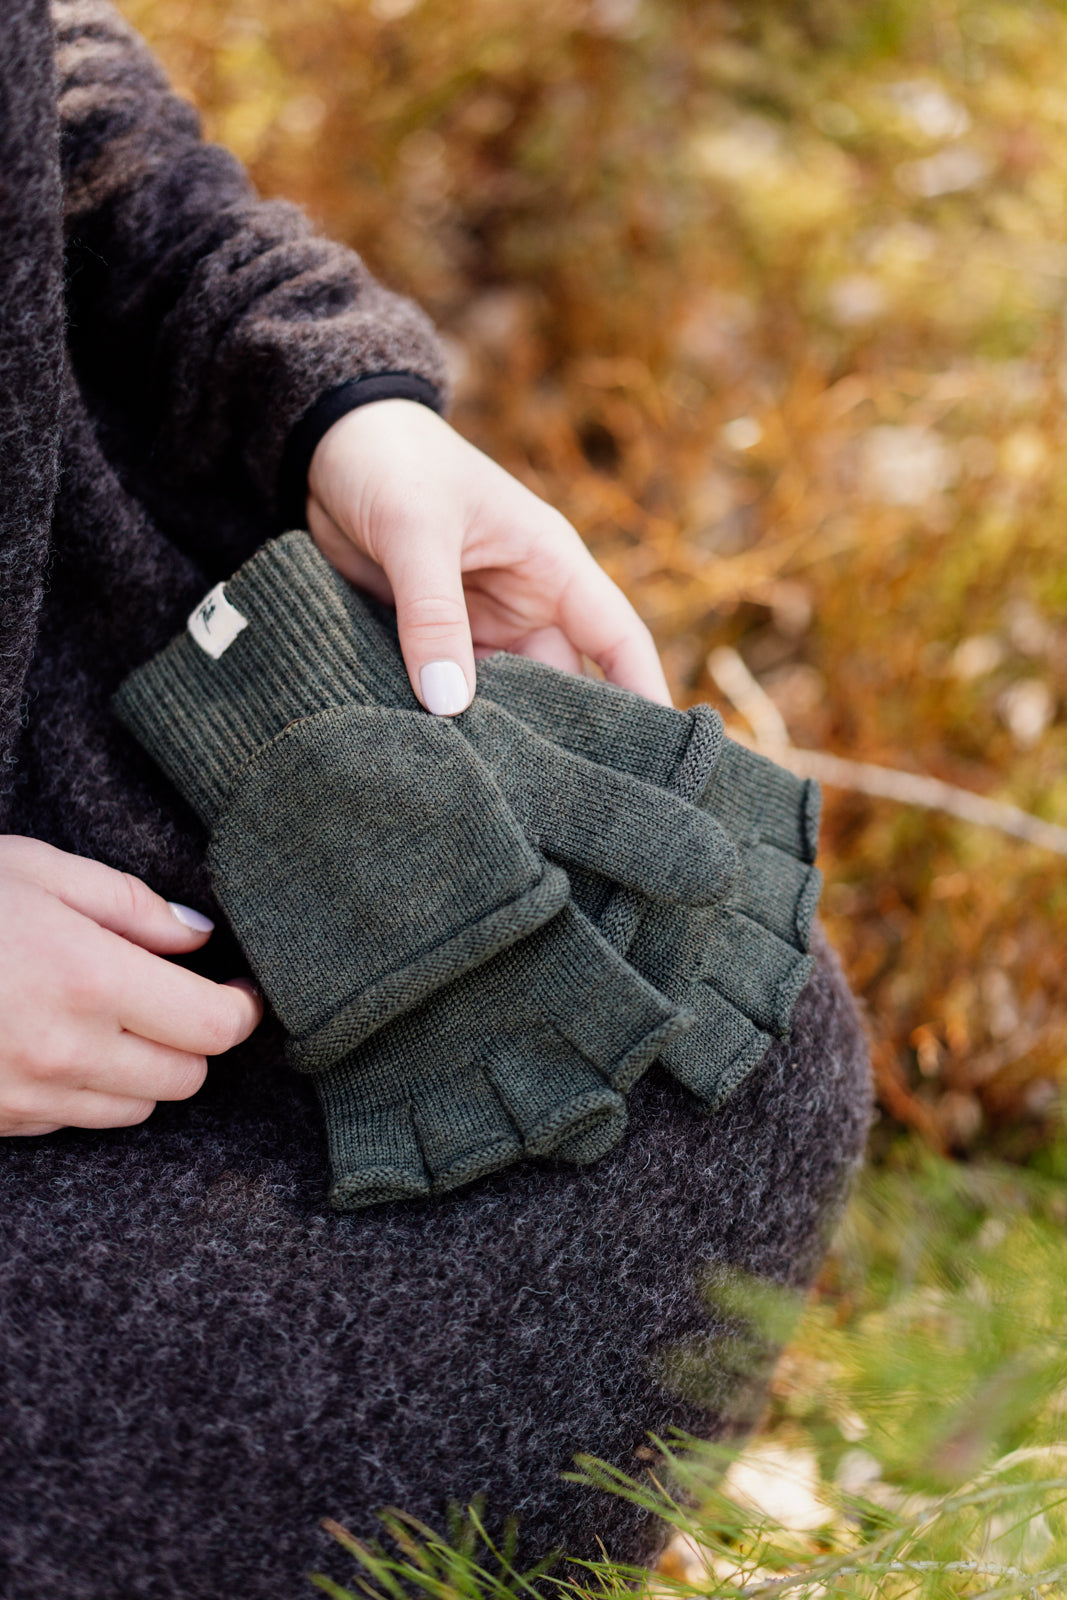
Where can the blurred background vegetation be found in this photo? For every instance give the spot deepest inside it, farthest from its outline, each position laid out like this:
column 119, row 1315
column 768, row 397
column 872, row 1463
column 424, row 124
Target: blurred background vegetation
column 768, row 298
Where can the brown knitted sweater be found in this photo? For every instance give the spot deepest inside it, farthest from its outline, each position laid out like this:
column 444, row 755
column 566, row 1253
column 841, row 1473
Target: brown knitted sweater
column 165, row 372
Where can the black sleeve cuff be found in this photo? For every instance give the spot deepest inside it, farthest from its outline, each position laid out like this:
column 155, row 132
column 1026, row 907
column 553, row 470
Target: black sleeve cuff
column 305, row 435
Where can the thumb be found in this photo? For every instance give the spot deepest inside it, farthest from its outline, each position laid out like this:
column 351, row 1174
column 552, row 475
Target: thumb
column 435, row 633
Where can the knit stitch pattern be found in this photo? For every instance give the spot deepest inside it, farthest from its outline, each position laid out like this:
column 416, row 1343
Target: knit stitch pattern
column 518, row 1058
column 739, row 963
column 361, row 853
column 369, row 861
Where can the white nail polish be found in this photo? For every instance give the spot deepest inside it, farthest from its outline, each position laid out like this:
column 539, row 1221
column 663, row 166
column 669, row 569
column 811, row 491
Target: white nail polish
column 444, row 688
column 190, row 918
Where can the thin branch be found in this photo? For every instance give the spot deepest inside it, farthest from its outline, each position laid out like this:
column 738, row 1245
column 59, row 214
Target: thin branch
column 888, row 783
column 771, row 738
column 735, row 681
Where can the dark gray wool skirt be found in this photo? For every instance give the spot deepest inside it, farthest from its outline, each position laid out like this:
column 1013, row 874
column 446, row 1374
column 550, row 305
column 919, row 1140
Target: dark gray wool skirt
column 200, row 1361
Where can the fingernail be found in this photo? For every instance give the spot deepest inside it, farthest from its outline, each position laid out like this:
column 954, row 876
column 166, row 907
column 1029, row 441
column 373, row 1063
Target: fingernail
column 190, row 918
column 444, row 688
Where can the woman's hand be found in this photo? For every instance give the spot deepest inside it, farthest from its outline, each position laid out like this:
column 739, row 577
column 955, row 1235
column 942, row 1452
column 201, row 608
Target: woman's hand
column 472, row 560
column 97, row 1027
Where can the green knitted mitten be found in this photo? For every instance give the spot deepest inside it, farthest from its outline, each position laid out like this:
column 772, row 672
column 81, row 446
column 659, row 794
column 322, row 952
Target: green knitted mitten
column 367, row 858
column 361, row 854
column 738, row 964
column 517, row 1059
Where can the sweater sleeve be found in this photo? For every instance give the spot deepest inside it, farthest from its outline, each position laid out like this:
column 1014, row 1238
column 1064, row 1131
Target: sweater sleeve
column 217, row 326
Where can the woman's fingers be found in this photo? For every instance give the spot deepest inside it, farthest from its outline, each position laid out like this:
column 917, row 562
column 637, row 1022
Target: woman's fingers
column 388, row 484
column 97, row 1025
column 340, row 552
column 552, row 601
column 601, row 623
column 126, row 1067
column 400, row 503
column 432, row 621
column 98, row 1075
column 114, row 900
column 80, row 1109
column 174, row 1007
column 548, row 645
column 94, row 1076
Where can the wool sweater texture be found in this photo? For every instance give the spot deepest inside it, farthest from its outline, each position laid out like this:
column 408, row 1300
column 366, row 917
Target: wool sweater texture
column 197, row 1361
column 201, row 328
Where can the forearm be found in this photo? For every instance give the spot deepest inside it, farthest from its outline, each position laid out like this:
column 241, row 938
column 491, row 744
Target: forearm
column 215, row 319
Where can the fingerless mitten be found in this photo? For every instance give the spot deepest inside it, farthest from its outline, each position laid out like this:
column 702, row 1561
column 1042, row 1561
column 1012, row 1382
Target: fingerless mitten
column 361, row 851
column 738, row 964
column 369, row 857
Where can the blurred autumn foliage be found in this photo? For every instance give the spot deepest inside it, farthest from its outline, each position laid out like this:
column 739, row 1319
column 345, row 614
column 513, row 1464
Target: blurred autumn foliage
column 767, row 297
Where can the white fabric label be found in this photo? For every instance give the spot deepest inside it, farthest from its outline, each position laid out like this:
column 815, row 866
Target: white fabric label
column 215, row 624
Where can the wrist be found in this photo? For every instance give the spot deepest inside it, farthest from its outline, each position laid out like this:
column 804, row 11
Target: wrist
column 307, row 434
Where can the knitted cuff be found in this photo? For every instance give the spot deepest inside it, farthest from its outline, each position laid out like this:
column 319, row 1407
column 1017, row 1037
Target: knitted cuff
column 274, row 644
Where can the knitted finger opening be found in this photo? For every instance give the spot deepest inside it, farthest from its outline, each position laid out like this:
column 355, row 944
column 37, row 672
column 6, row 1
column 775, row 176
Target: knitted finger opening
column 583, row 1131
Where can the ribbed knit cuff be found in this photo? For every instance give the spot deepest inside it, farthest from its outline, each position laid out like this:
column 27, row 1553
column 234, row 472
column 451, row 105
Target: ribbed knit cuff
column 330, row 408
column 288, row 646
